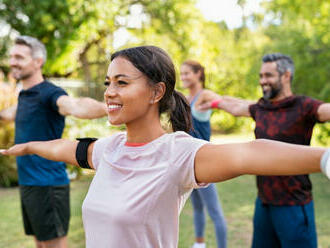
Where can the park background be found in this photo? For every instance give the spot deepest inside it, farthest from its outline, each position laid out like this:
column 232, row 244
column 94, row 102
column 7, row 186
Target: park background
column 81, row 35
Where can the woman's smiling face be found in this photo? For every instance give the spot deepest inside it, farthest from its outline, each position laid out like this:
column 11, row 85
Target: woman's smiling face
column 188, row 76
column 128, row 94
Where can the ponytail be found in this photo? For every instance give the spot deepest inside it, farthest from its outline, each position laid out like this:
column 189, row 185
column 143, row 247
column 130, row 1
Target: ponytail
column 180, row 116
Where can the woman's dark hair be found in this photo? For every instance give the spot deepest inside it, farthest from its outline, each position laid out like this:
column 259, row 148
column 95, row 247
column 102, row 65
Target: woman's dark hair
column 196, row 67
column 155, row 63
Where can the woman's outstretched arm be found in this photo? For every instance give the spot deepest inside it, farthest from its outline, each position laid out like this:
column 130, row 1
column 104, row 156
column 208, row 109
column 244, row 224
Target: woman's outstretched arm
column 215, row 163
column 56, row 150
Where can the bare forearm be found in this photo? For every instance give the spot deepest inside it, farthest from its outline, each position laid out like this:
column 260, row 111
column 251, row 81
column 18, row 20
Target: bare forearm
column 88, row 108
column 235, row 106
column 215, row 163
column 84, row 108
column 56, row 150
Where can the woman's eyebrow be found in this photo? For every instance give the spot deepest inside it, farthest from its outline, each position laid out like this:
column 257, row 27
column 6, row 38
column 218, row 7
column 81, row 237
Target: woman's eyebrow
column 122, row 75
column 117, row 76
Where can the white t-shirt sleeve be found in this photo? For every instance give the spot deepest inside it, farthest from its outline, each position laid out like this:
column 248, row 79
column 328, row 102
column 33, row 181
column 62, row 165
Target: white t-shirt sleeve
column 183, row 157
column 101, row 146
column 98, row 150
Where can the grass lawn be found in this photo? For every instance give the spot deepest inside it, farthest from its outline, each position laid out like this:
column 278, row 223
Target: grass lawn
column 237, row 198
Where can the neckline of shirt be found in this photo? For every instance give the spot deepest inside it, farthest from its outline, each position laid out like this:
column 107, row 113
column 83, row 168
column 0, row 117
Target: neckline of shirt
column 141, row 145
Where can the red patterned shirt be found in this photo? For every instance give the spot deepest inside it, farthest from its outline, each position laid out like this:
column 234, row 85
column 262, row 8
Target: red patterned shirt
column 289, row 120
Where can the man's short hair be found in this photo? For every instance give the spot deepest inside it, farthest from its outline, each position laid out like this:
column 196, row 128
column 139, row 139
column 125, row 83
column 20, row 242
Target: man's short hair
column 38, row 50
column 284, row 62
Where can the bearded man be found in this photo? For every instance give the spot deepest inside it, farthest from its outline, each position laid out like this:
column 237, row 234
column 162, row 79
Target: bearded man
column 284, row 211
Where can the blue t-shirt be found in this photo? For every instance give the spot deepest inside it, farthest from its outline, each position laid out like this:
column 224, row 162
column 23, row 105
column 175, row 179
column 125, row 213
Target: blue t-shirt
column 201, row 129
column 38, row 119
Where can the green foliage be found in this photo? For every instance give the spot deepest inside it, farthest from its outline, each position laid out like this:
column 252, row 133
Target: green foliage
column 303, row 33
column 54, row 22
column 80, row 35
column 223, row 122
column 322, row 134
column 8, row 174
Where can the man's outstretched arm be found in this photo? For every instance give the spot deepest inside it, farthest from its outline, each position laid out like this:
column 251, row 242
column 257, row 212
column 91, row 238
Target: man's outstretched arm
column 84, row 107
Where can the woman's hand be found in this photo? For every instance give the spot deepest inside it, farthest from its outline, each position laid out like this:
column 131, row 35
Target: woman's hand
column 16, row 150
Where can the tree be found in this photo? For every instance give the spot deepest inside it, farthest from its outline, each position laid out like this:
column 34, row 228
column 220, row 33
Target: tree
column 79, row 34
column 300, row 28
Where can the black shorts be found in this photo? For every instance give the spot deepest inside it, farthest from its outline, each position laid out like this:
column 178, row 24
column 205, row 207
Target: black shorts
column 46, row 211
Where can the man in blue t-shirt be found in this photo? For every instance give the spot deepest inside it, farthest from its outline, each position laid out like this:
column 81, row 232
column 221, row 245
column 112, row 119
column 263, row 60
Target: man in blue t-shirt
column 39, row 116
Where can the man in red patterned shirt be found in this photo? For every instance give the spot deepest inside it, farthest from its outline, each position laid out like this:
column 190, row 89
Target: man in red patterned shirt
column 284, row 211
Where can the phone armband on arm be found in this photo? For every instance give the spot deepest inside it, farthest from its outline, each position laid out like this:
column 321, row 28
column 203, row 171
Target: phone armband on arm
column 82, row 150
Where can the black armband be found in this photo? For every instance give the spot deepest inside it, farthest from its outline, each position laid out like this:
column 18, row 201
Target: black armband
column 81, row 151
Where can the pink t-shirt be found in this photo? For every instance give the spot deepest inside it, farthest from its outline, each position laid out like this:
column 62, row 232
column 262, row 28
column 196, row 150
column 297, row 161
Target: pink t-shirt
column 137, row 193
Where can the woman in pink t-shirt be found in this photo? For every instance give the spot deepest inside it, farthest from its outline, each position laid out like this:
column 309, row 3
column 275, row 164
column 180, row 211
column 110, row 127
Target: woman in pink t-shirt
column 144, row 175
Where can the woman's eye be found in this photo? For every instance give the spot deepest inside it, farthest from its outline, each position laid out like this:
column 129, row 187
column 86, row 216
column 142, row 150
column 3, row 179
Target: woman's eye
column 120, row 82
column 106, row 83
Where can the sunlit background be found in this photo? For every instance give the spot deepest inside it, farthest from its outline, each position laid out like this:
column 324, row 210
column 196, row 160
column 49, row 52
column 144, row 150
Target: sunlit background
column 227, row 37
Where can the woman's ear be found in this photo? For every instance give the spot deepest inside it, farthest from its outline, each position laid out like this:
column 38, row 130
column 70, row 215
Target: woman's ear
column 159, row 91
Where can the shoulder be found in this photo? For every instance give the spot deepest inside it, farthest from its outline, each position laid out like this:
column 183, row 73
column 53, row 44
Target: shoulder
column 179, row 136
column 114, row 140
column 308, row 102
column 182, row 142
column 307, row 99
column 260, row 102
column 51, row 87
column 207, row 92
column 105, row 146
column 254, row 106
column 50, row 93
column 175, row 141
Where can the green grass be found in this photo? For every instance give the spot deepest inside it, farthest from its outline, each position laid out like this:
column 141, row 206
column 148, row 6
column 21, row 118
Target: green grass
column 237, row 198
column 11, row 225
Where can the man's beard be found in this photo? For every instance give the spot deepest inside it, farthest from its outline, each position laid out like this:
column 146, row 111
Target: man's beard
column 19, row 75
column 273, row 92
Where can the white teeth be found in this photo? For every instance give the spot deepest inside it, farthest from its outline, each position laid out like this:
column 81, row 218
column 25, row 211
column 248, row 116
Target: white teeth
column 114, row 106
